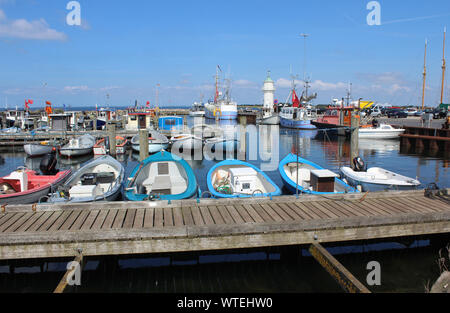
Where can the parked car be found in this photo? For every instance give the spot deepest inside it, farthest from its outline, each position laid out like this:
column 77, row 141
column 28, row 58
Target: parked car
column 440, row 113
column 411, row 111
column 397, row 113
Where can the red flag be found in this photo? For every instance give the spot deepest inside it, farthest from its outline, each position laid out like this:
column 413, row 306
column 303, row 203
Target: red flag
column 148, row 104
column 26, row 105
column 30, row 101
column 295, row 100
column 48, row 103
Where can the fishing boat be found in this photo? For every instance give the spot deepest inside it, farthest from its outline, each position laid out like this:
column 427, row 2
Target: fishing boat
column 39, row 149
column 380, row 131
column 102, row 146
column 98, row 180
column 222, row 108
column 197, row 110
column 156, row 142
column 297, row 118
column 307, row 177
column 78, row 146
column 162, row 176
column 25, row 186
column 186, row 142
column 376, row 178
column 237, row 179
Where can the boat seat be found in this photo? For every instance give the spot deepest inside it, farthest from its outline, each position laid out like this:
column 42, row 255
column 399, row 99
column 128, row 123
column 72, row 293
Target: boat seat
column 21, row 177
column 85, row 191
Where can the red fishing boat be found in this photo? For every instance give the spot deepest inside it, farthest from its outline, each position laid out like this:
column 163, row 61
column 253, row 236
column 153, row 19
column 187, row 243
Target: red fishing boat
column 24, row 186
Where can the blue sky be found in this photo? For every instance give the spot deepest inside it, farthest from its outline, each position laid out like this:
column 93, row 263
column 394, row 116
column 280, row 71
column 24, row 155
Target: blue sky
column 125, row 48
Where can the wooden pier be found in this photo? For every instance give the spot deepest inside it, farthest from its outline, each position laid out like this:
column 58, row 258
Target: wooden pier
column 420, row 139
column 132, row 228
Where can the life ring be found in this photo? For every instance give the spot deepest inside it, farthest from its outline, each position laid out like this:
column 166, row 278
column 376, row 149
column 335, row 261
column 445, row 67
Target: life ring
column 217, row 110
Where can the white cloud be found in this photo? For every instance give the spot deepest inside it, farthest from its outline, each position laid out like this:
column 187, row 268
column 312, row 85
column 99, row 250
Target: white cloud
column 245, row 83
column 23, row 29
column 317, row 85
column 76, row 88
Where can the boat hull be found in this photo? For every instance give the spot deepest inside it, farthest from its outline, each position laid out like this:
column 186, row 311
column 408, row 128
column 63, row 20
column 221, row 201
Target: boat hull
column 380, row 134
column 296, row 124
column 271, row 120
column 71, row 152
column 187, row 144
column 37, row 150
column 224, row 115
column 152, row 147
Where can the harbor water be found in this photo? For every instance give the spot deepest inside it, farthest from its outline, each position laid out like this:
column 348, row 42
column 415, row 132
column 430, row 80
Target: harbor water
column 262, row 270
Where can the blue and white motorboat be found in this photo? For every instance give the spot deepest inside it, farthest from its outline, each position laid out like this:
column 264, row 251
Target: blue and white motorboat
column 222, row 108
column 162, row 176
column 238, row 179
column 297, row 118
column 312, row 178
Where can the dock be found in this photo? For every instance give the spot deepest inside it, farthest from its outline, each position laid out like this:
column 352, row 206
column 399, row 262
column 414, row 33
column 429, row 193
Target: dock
column 432, row 140
column 134, row 228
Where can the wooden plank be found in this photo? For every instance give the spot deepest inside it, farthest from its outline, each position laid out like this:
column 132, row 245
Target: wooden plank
column 225, row 214
column 252, row 212
column 272, row 213
column 244, row 214
column 109, row 220
column 261, row 212
column 344, row 278
column 149, row 217
column 430, row 204
column 4, row 217
column 159, row 217
column 303, row 209
column 325, row 210
column 294, row 211
column 367, row 207
column 388, row 210
column 339, row 208
column 139, row 218
column 60, row 221
column 168, row 217
column 49, row 222
column 399, row 205
column 187, row 216
column 391, row 207
column 38, row 223
column 129, row 218
column 353, row 205
column 237, row 219
column 207, row 217
column 284, row 216
column 90, row 220
column 11, row 221
column 120, row 217
column 98, row 224
column 80, row 220
column 218, row 219
column 19, row 222
column 197, row 215
column 29, row 222
column 178, row 217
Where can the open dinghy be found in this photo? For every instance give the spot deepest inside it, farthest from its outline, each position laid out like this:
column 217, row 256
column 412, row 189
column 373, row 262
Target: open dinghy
column 40, row 148
column 156, row 142
column 162, row 176
column 78, row 146
column 376, row 178
column 187, row 142
column 98, row 180
column 102, row 146
column 237, row 179
column 24, row 186
column 312, row 178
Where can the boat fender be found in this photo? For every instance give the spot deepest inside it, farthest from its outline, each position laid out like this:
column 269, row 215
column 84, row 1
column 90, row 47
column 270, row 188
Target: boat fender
column 48, row 164
column 359, row 188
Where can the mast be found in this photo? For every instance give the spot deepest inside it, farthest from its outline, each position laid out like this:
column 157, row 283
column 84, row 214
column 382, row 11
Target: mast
column 443, row 68
column 424, row 75
column 216, row 96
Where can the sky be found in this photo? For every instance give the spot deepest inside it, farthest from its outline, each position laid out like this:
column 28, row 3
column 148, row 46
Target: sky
column 123, row 49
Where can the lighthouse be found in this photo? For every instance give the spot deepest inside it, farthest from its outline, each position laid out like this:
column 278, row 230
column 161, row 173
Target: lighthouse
column 269, row 93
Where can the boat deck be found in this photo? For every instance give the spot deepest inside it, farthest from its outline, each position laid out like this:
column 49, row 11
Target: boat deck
column 126, row 228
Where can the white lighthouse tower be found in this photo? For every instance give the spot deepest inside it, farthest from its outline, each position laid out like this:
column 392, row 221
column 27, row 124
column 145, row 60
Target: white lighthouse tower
column 269, row 93
column 269, row 117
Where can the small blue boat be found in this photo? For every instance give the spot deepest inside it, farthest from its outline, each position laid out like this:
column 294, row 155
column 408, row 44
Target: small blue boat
column 312, row 178
column 162, row 176
column 297, row 118
column 237, row 179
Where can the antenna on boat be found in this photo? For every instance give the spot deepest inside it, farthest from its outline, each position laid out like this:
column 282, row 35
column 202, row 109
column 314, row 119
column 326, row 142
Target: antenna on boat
column 424, row 75
column 443, row 68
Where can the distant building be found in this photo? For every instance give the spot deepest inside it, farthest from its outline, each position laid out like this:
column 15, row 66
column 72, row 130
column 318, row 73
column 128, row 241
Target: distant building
column 60, row 122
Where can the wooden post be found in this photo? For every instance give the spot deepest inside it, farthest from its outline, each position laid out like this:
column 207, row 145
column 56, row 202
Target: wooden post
column 242, row 149
column 35, row 123
column 112, row 138
column 344, row 278
column 354, row 139
column 143, row 144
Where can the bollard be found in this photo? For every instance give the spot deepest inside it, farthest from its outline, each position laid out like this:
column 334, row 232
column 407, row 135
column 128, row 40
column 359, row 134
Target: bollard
column 143, row 144
column 354, row 139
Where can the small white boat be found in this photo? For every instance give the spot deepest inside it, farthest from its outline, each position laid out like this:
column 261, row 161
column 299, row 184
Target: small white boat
column 78, row 146
column 99, row 180
column 206, row 131
column 197, row 110
column 378, row 178
column 220, row 144
column 381, row 131
column 38, row 149
column 271, row 119
column 186, row 142
column 156, row 142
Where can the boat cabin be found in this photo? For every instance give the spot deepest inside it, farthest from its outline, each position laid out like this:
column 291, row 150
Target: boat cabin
column 139, row 120
column 170, row 123
column 60, row 122
column 293, row 113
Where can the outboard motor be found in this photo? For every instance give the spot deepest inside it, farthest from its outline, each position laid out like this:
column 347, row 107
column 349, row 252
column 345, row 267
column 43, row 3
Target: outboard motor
column 48, row 164
column 359, row 165
column 375, row 123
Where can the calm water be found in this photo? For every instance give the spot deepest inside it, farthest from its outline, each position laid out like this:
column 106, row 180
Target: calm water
column 406, row 266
